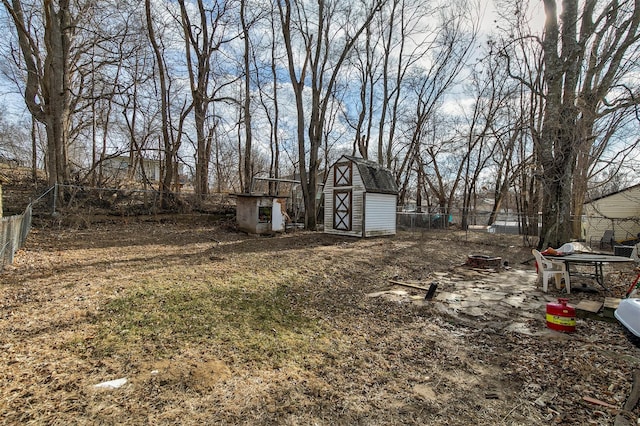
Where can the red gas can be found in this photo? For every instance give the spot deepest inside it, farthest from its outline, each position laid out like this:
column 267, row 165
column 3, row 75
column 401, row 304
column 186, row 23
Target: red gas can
column 560, row 316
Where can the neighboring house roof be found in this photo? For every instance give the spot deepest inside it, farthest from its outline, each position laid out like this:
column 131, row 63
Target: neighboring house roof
column 375, row 177
column 612, row 194
column 624, row 204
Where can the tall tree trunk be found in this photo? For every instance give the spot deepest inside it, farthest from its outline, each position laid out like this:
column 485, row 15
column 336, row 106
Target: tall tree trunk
column 47, row 89
column 556, row 150
column 200, row 43
column 34, row 151
column 247, row 99
column 323, row 78
column 166, row 178
column 582, row 66
column 56, row 73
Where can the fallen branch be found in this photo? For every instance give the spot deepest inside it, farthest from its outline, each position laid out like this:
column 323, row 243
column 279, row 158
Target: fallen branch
column 409, row 285
column 598, row 402
column 430, row 291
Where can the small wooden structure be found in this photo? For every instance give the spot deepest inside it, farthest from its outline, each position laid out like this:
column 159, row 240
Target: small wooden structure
column 360, row 198
column 260, row 214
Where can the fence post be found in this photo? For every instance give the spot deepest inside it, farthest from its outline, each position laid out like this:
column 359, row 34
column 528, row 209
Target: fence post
column 4, row 241
column 13, row 237
column 55, row 198
column 25, row 225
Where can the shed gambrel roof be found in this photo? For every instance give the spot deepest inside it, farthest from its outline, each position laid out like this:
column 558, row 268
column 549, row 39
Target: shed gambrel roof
column 376, row 178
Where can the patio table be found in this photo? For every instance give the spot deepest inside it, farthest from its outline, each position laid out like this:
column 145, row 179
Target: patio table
column 590, row 259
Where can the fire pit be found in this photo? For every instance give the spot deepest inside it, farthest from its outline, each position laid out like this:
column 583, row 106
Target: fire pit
column 484, row 262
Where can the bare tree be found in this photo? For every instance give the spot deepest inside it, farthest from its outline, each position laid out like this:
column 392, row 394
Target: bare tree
column 523, row 59
column 245, row 22
column 589, row 56
column 426, row 87
column 398, row 24
column 492, row 95
column 204, row 38
column 585, row 99
column 268, row 92
column 139, row 112
column 326, row 40
column 366, row 64
column 48, row 69
column 171, row 138
column 441, row 160
column 73, row 54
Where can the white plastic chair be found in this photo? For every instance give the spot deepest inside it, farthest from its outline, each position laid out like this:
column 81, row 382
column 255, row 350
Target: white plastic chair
column 547, row 268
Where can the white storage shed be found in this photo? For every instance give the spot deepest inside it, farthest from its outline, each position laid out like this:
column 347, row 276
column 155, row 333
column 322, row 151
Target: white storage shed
column 360, row 198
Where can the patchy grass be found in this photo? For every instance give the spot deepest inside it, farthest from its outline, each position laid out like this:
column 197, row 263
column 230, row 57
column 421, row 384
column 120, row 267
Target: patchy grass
column 251, row 313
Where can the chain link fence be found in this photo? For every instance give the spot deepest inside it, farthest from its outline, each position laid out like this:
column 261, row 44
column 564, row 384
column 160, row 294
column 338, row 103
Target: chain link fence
column 13, row 235
column 15, row 229
column 504, row 223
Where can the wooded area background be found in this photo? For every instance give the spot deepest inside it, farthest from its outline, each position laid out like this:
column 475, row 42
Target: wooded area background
column 462, row 100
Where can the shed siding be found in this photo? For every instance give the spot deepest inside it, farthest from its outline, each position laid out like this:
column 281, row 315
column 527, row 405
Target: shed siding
column 246, row 212
column 619, row 212
column 357, row 190
column 328, row 201
column 380, row 218
column 358, row 185
column 622, row 205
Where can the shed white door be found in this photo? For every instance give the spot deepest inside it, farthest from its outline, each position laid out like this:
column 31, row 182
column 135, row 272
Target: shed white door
column 342, row 210
column 380, row 217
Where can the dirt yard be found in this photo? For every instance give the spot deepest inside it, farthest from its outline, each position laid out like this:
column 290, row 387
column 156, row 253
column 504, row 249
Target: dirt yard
column 211, row 326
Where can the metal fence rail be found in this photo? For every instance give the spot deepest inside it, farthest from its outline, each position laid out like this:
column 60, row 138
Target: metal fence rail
column 13, row 235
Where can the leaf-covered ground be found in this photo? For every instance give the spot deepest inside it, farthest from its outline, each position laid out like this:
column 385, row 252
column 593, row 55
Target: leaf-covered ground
column 211, row 326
